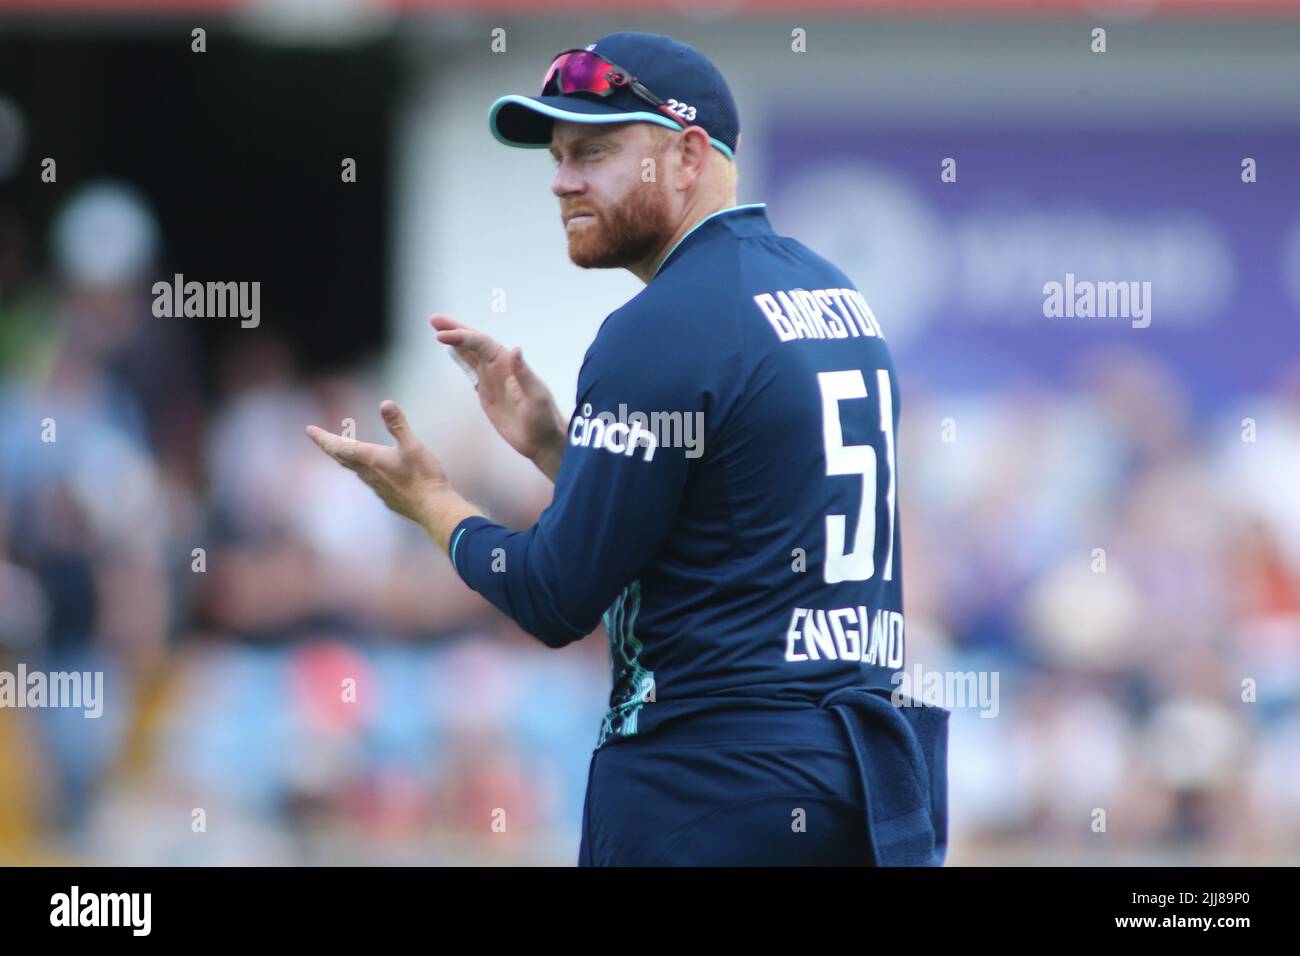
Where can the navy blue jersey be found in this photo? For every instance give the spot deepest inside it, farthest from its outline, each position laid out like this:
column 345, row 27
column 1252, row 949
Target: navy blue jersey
column 728, row 499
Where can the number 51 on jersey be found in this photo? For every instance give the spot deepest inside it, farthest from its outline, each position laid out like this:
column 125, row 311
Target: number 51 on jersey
column 857, row 564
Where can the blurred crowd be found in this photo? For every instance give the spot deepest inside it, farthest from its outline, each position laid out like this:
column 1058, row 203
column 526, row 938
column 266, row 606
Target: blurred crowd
column 1129, row 567
column 294, row 675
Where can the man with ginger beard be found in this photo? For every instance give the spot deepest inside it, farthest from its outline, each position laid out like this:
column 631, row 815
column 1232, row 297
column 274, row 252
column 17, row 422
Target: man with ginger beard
column 750, row 585
column 635, row 228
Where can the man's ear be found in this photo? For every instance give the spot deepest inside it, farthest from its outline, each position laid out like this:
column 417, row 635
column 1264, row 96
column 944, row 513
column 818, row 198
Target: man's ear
column 701, row 146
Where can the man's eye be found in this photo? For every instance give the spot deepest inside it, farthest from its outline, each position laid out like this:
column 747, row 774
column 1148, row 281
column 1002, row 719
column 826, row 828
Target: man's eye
column 587, row 153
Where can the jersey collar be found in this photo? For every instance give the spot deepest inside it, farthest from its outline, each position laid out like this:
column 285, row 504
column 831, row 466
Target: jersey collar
column 749, row 219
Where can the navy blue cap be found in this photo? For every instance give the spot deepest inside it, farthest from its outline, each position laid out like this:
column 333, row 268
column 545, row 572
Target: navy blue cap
column 669, row 69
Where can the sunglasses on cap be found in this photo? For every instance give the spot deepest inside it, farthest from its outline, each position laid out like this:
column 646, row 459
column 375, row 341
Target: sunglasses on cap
column 582, row 71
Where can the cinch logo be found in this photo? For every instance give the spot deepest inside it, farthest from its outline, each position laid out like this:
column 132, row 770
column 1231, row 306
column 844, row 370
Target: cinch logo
column 616, row 436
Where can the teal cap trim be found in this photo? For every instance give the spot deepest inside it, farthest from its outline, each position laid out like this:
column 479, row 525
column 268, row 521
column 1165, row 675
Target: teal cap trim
column 556, row 113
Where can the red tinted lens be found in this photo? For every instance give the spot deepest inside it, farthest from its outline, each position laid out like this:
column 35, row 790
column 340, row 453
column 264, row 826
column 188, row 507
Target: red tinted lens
column 579, row 72
column 550, row 73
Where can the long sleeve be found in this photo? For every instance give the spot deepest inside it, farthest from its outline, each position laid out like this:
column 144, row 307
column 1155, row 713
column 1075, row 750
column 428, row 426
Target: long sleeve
column 616, row 493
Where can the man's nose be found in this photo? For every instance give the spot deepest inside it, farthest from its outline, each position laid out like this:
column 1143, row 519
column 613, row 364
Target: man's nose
column 567, row 181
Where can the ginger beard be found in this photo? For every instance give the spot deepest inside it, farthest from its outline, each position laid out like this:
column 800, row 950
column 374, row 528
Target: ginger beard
column 624, row 232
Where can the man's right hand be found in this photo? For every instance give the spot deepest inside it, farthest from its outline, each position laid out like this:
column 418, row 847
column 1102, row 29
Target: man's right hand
column 516, row 401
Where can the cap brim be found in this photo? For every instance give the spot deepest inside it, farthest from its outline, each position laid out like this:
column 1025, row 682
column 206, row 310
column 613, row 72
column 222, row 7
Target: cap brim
column 526, row 121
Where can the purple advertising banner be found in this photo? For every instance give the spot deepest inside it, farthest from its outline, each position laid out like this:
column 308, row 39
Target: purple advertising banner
column 996, row 254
